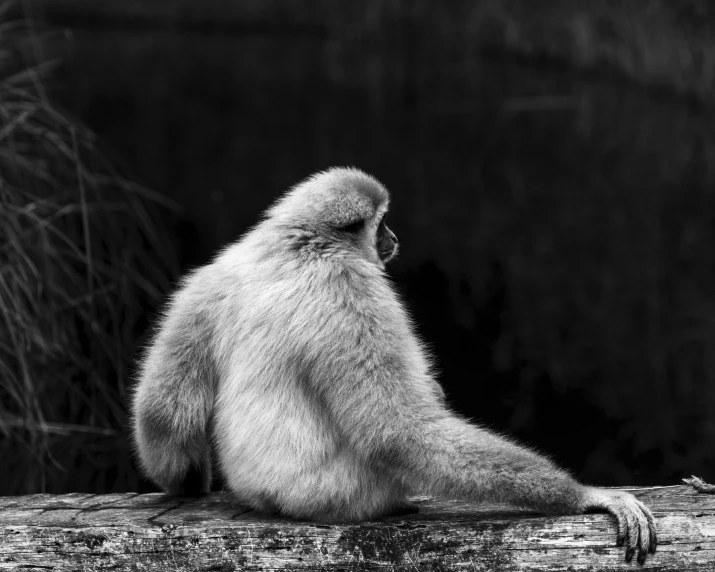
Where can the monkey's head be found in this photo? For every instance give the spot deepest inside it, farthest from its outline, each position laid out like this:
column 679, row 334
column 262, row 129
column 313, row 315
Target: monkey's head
column 338, row 212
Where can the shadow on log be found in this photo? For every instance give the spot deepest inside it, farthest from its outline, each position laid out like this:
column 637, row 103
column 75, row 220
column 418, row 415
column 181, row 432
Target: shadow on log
column 129, row 532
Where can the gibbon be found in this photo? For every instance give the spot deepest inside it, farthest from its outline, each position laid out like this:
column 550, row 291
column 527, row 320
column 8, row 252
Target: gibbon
column 291, row 359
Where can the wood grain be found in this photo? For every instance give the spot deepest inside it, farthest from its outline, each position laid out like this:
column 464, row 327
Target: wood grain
column 155, row 532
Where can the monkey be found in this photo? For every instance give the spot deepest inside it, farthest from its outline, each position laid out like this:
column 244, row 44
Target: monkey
column 291, row 362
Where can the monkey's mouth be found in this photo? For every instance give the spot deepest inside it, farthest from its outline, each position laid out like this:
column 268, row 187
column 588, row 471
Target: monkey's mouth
column 387, row 253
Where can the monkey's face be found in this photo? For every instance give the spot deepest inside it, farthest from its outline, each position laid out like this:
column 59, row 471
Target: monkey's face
column 372, row 237
column 385, row 242
column 335, row 212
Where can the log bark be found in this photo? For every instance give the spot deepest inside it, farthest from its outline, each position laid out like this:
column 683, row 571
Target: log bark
column 155, row 532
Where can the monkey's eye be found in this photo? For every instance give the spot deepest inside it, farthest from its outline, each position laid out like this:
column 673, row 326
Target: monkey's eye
column 353, row 226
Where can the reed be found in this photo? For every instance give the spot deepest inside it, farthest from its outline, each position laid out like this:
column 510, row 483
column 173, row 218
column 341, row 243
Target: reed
column 83, row 258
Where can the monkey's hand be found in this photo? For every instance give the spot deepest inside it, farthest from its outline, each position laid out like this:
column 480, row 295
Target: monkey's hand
column 636, row 526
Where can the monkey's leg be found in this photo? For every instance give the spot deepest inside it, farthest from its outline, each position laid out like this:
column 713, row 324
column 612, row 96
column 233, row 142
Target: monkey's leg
column 342, row 490
column 174, row 400
column 178, row 465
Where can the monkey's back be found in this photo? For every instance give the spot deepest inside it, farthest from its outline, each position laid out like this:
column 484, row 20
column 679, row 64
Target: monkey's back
column 268, row 427
column 283, row 323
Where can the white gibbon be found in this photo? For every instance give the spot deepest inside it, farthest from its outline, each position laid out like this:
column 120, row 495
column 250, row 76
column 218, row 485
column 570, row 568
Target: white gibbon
column 291, row 359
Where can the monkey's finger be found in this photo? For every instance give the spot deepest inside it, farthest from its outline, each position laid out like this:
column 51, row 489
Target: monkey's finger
column 641, row 532
column 649, row 534
column 641, row 514
column 652, row 529
column 653, row 538
column 633, row 533
column 653, row 533
column 622, row 527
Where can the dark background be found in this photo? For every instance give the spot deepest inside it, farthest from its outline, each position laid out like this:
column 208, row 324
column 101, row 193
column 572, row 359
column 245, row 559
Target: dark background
column 551, row 166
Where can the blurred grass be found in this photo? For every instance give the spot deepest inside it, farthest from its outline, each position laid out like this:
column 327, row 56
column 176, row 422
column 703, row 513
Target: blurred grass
column 82, row 259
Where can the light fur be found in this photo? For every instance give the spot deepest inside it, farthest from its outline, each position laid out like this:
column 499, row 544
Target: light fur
column 294, row 360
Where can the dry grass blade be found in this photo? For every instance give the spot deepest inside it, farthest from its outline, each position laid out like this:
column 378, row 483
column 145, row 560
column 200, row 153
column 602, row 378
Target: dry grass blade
column 83, row 258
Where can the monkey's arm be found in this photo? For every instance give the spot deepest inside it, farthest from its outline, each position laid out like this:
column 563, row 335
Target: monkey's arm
column 434, row 450
column 174, row 398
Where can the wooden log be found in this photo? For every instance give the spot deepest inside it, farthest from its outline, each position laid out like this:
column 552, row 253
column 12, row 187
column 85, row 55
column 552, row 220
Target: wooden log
column 155, row 532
